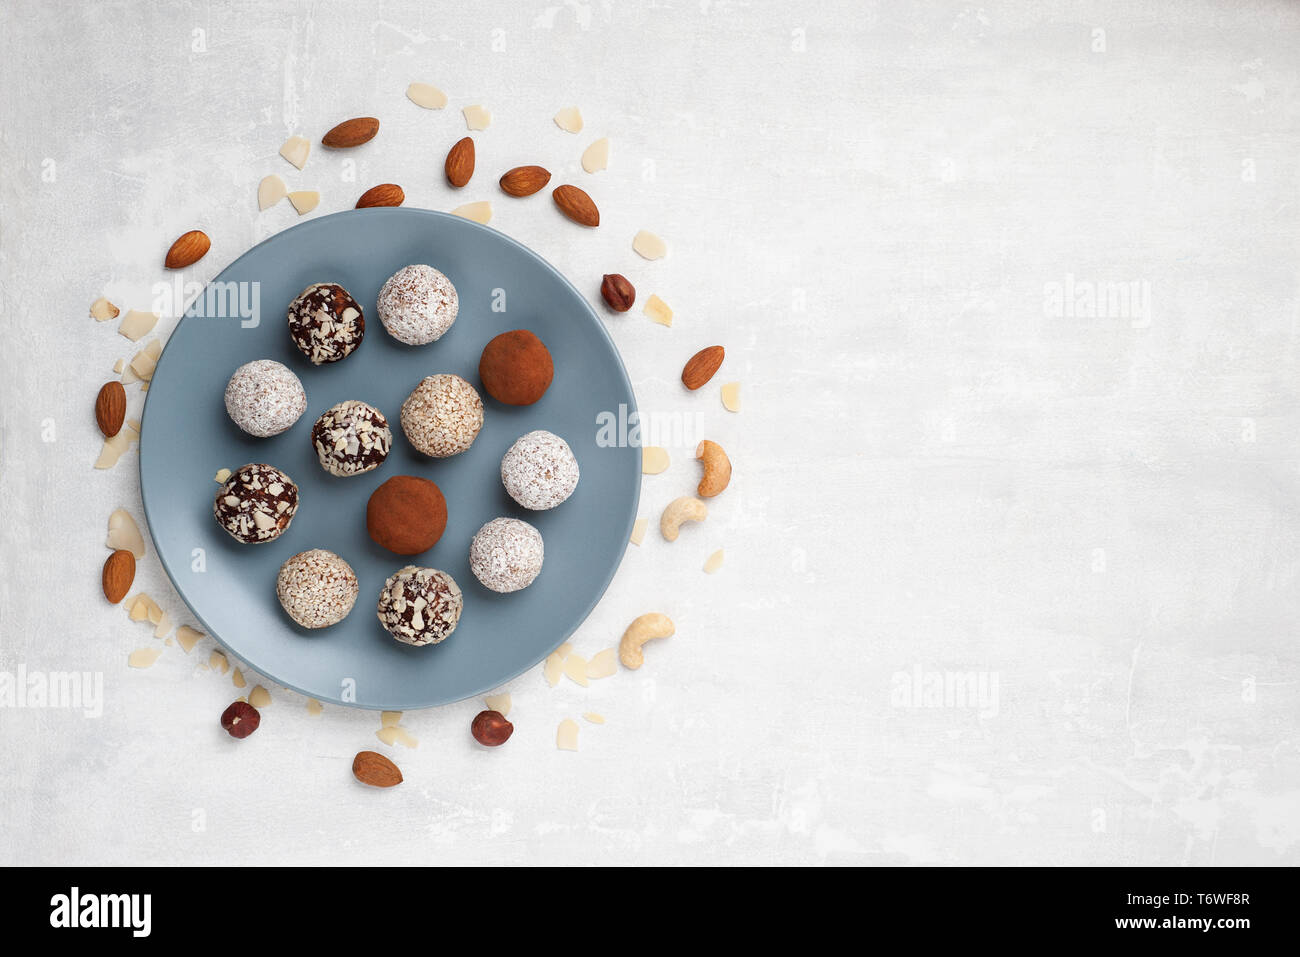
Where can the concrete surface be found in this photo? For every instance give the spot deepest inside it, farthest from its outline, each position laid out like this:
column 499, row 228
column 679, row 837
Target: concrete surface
column 1012, row 293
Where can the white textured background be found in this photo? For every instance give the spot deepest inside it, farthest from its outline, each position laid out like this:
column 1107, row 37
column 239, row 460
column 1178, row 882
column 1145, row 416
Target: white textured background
column 866, row 204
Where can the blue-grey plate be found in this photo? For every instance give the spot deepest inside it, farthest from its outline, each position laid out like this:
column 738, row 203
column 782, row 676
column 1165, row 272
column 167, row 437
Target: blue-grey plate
column 187, row 437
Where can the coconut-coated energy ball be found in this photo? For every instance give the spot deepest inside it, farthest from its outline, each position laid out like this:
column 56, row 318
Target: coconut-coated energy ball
column 316, row 588
column 539, row 470
column 506, row 554
column 326, row 323
column 420, row 606
column 256, row 504
column 351, row 438
column 442, row 415
column 264, row 398
column 417, row 305
column 516, row 368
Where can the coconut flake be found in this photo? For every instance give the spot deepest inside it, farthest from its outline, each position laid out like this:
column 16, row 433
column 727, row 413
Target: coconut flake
column 305, row 200
column 143, row 657
column 653, row 460
column 603, row 664
column 479, row 212
column 658, row 310
column 566, row 735
column 596, row 156
column 124, row 533
column 101, row 310
column 477, row 117
column 270, row 191
column 424, row 95
column 649, row 246
column 638, row 530
column 296, row 150
column 187, row 637
column 137, row 324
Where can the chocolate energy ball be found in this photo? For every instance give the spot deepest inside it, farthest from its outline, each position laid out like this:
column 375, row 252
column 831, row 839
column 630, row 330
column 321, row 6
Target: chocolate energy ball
column 406, row 515
column 506, row 554
column 516, row 368
column 326, row 323
column 417, row 305
column 442, row 415
column 420, row 606
column 264, row 398
column 256, row 504
column 539, row 470
column 316, row 588
column 351, row 438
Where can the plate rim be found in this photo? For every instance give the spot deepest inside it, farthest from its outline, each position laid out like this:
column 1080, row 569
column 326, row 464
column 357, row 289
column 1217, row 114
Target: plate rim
column 590, row 312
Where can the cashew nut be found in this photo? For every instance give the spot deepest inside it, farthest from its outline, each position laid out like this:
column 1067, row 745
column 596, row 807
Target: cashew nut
column 717, row 468
column 653, row 625
column 684, row 509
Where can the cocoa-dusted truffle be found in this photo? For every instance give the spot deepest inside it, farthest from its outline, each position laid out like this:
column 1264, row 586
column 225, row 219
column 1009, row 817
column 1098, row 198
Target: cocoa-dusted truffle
column 442, row 416
column 326, row 323
column 539, row 470
column 516, row 368
column 316, row 588
column 264, row 398
column 256, row 504
column 351, row 438
column 506, row 554
column 406, row 514
column 417, row 305
column 420, row 606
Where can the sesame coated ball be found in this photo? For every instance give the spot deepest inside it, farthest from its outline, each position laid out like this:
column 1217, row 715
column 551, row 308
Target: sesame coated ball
column 264, row 398
column 442, row 415
column 506, row 555
column 316, row 588
column 539, row 470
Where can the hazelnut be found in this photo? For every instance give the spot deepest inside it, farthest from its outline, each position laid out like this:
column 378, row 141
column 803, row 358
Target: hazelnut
column 491, row 729
column 619, row 294
column 240, row 719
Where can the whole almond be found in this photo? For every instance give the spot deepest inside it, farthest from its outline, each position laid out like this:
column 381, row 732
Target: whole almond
column 618, row 293
column 371, row 767
column 577, row 205
column 524, row 180
column 350, row 133
column 701, row 367
column 119, row 573
column 385, row 194
column 110, row 408
column 460, row 162
column 188, row 249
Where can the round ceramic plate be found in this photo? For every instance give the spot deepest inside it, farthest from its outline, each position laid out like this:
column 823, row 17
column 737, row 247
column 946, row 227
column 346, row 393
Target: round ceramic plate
column 187, row 437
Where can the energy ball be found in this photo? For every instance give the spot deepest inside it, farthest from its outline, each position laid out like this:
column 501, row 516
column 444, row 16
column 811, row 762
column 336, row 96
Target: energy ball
column 516, row 368
column 264, row 398
column 406, row 515
column 539, row 470
column 351, row 438
column 442, row 416
column 256, row 504
column 326, row 323
column 417, row 305
column 506, row 554
column 316, row 588
column 420, row 606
